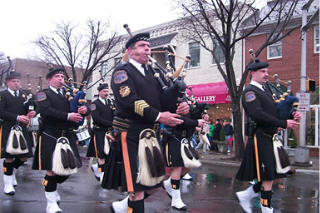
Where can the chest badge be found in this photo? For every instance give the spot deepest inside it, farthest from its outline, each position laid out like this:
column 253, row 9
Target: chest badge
column 124, row 91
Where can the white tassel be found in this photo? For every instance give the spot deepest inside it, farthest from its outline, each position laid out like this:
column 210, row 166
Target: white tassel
column 16, row 131
column 144, row 175
column 106, row 148
column 57, row 166
column 188, row 163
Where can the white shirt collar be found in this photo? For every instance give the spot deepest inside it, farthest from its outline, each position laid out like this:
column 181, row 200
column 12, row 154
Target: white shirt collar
column 256, row 84
column 104, row 101
column 55, row 89
column 137, row 65
column 12, row 92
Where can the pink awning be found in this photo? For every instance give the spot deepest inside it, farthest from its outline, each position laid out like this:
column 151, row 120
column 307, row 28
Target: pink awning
column 211, row 93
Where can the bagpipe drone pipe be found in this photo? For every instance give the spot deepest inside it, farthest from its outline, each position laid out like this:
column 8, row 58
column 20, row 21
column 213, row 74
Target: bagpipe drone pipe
column 173, row 86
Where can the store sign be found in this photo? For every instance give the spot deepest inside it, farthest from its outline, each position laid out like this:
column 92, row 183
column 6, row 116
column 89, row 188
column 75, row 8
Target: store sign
column 304, row 101
column 210, row 93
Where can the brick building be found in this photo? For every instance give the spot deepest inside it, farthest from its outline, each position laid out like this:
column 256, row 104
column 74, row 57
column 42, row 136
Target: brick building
column 284, row 58
column 33, row 73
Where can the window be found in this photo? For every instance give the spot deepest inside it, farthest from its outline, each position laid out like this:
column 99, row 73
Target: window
column 316, row 39
column 275, row 50
column 104, row 69
column 117, row 61
column 218, row 53
column 194, row 51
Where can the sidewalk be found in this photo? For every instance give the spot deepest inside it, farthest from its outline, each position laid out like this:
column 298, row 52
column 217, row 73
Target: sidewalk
column 221, row 159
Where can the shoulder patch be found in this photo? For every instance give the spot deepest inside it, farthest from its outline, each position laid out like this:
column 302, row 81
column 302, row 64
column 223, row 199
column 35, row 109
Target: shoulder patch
column 250, row 96
column 120, row 76
column 41, row 96
column 93, row 107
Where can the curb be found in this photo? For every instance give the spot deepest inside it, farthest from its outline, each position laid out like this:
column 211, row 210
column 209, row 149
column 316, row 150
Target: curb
column 218, row 162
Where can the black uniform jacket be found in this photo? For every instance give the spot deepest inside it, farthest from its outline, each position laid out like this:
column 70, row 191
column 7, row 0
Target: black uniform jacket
column 137, row 97
column 102, row 115
column 10, row 108
column 260, row 106
column 54, row 109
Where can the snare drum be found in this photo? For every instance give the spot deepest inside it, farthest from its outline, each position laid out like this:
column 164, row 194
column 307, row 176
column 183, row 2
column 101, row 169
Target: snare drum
column 83, row 134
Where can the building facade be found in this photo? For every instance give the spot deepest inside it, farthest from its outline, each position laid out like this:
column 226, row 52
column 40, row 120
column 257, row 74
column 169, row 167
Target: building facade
column 202, row 72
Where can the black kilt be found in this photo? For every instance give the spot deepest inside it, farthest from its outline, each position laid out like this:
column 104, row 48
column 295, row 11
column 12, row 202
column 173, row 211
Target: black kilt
column 172, row 151
column 114, row 170
column 133, row 143
column 45, row 148
column 5, row 129
column 267, row 164
column 96, row 149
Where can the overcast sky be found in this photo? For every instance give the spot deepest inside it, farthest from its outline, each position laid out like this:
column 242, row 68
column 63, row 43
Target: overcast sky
column 22, row 21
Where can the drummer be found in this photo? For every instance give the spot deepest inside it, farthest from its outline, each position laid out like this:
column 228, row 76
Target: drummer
column 102, row 116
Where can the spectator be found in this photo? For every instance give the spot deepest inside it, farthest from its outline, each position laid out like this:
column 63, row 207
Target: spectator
column 203, row 134
column 228, row 132
column 216, row 131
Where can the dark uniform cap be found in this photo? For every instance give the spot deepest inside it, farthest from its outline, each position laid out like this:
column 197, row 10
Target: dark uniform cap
column 257, row 65
column 53, row 71
column 138, row 37
column 103, row 86
column 13, row 75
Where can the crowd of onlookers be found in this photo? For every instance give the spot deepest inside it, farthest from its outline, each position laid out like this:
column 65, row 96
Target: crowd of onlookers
column 221, row 130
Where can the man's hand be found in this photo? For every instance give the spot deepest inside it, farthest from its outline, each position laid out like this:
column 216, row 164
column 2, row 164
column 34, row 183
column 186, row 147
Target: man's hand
column 183, row 108
column 296, row 115
column 82, row 110
column 110, row 137
column 31, row 114
column 170, row 119
column 201, row 122
column 23, row 119
column 75, row 117
column 292, row 124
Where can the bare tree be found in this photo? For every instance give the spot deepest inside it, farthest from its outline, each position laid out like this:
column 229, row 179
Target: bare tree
column 5, row 66
column 223, row 24
column 82, row 53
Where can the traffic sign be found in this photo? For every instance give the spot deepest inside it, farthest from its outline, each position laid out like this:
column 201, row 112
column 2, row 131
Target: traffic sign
column 304, row 101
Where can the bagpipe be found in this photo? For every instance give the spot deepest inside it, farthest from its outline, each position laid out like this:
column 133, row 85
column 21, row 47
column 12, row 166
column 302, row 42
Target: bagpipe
column 286, row 103
column 174, row 93
column 76, row 97
column 196, row 109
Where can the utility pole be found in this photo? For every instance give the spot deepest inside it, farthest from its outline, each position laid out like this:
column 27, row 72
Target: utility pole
column 302, row 152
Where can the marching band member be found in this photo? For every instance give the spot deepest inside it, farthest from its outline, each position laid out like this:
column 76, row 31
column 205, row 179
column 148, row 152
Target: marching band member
column 102, row 115
column 259, row 161
column 173, row 148
column 58, row 127
column 14, row 113
column 137, row 97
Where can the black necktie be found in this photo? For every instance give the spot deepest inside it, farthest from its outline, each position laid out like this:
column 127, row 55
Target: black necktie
column 59, row 92
column 144, row 68
column 15, row 93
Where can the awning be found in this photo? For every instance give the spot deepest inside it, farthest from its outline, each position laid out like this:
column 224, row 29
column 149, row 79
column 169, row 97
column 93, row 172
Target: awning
column 162, row 40
column 211, row 93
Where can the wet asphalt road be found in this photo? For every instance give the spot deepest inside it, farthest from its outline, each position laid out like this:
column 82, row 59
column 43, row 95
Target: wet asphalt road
column 211, row 191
